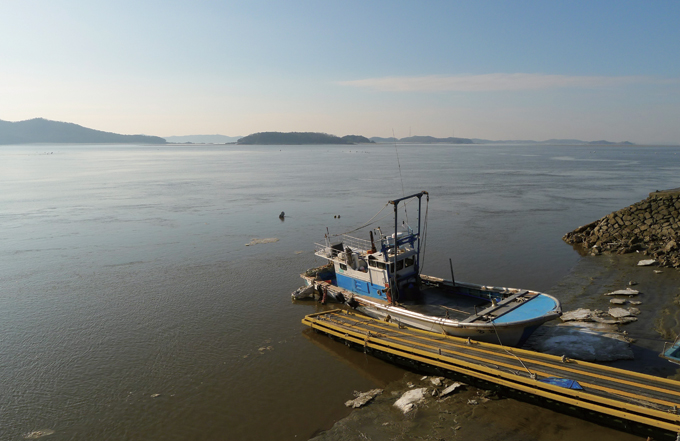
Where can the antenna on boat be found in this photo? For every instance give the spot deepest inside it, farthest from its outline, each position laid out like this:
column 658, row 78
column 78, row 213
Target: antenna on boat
column 403, row 193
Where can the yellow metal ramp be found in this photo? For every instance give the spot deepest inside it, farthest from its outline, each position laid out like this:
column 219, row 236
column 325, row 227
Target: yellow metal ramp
column 623, row 395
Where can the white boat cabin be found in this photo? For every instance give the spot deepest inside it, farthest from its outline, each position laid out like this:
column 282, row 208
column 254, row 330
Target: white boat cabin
column 360, row 268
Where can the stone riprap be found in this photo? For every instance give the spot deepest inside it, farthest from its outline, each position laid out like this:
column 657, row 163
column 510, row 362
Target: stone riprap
column 650, row 227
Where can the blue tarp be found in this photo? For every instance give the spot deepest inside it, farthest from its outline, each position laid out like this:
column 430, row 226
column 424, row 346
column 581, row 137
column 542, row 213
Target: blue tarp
column 562, row 382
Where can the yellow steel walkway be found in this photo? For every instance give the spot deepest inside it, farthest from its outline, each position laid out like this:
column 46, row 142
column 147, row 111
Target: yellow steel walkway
column 621, row 394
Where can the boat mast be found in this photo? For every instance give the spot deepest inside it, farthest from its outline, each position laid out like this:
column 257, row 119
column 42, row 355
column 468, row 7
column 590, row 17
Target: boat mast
column 409, row 238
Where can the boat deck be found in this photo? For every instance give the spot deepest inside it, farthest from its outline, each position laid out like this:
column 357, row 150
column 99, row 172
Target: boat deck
column 437, row 302
column 649, row 403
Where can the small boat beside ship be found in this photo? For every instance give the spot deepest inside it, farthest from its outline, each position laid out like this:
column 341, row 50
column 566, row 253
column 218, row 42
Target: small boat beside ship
column 671, row 351
column 381, row 278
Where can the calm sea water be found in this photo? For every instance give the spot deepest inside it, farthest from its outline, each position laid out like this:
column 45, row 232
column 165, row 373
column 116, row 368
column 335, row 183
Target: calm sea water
column 131, row 307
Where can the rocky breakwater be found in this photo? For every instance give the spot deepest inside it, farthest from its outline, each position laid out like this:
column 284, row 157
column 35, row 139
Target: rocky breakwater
column 650, row 227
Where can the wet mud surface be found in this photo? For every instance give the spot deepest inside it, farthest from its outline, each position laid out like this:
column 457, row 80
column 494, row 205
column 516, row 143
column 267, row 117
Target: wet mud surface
column 467, row 414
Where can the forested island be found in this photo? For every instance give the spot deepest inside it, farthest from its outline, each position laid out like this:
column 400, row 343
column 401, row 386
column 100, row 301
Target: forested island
column 300, row 138
column 41, row 130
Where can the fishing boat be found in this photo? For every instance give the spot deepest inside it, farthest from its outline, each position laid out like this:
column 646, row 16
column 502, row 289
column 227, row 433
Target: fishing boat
column 381, row 278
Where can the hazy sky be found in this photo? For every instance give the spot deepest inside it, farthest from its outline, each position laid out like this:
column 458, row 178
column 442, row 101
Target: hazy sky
column 478, row 69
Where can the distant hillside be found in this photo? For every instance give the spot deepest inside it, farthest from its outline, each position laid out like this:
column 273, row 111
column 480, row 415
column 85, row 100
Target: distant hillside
column 43, row 130
column 380, row 140
column 358, row 139
column 294, row 138
column 551, row 142
column 424, row 140
column 609, row 143
column 203, row 139
column 433, row 140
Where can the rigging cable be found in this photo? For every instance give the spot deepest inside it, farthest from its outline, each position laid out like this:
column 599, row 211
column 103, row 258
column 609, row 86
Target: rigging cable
column 531, row 374
column 370, row 221
column 424, row 235
column 365, row 224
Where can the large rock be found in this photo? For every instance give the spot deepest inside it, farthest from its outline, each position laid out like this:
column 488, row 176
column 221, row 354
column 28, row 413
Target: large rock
column 650, row 227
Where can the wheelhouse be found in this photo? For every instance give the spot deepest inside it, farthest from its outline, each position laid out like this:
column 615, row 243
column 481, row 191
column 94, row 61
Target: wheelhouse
column 389, row 272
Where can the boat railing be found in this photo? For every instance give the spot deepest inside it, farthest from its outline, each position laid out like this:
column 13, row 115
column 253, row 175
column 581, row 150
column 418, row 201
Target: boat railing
column 356, row 244
column 325, row 251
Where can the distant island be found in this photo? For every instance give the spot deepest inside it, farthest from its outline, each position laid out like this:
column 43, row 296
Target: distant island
column 451, row 140
column 358, row 139
column 41, row 130
column 299, row 138
column 552, row 142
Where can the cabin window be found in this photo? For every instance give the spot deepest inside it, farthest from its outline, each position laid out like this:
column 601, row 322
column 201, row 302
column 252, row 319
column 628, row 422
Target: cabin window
column 400, row 266
column 343, row 267
column 373, row 263
column 409, row 261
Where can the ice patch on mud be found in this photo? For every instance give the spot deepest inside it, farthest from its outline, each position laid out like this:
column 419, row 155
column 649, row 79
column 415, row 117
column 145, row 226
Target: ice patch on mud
column 260, row 241
column 410, row 398
column 582, row 341
column 38, row 433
